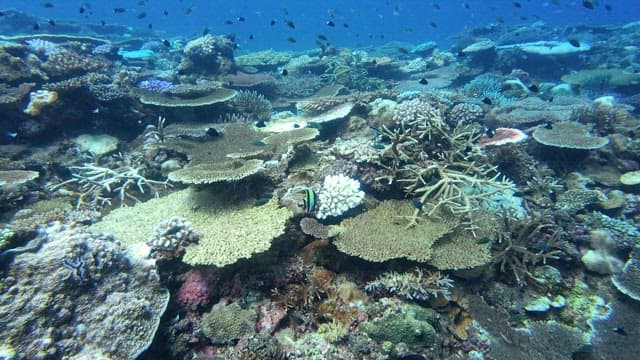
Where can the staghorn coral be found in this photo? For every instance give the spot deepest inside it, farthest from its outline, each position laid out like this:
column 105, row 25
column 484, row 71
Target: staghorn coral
column 416, row 285
column 96, row 185
column 251, row 104
column 525, row 244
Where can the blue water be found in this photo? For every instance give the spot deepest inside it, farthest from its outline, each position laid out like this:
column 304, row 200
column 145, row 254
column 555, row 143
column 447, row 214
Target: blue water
column 369, row 22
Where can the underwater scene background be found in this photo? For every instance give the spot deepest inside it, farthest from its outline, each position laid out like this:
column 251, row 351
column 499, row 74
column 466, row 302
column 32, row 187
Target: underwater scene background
column 319, row 180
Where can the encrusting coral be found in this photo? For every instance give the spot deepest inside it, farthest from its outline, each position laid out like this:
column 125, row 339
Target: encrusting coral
column 76, row 285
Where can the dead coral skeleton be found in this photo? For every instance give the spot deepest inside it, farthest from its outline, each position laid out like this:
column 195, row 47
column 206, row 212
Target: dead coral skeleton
column 96, row 183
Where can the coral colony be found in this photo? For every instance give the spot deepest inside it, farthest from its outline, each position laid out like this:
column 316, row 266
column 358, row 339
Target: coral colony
column 174, row 197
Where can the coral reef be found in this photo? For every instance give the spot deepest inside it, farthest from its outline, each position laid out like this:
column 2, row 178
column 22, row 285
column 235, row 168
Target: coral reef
column 76, row 285
column 374, row 235
column 228, row 323
column 570, row 135
column 338, row 195
column 417, row 286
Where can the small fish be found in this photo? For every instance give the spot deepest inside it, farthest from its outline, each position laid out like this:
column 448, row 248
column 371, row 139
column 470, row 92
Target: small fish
column 487, row 101
column 620, row 330
column 490, row 133
column 436, row 6
column 553, row 196
column 465, row 5
column 210, row 131
column 273, row 22
column 296, row 126
column 47, row 5
column 206, row 30
column 403, row 50
column 284, row 72
column 433, row 24
column 260, row 124
column 290, row 24
column 165, row 12
column 534, row 88
column 608, row 7
column 291, row 39
column 103, row 23
column 417, row 204
column 483, row 240
column 423, row 81
column 119, row 10
column 517, row 4
column 574, row 43
column 228, row 22
column 150, row 26
column 81, row 10
column 330, row 23
column 12, row 134
column 461, row 54
column 36, row 26
column 51, row 22
column 548, row 125
column 142, row 15
column 345, row 25
column 588, row 4
column 322, row 37
column 166, row 43
column 309, row 200
column 1, row 13
column 251, row 37
column 189, row 10
column 240, row 18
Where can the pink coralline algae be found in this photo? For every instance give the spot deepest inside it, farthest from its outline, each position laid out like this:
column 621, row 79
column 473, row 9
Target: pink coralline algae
column 270, row 316
column 197, row 288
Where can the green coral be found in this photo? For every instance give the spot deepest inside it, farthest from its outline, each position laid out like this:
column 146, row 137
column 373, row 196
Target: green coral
column 228, row 324
column 411, row 324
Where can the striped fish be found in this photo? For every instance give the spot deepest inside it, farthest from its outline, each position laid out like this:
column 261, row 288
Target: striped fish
column 309, row 200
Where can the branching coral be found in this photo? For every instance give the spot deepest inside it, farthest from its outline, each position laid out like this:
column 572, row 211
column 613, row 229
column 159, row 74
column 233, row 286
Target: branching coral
column 526, row 244
column 416, row 285
column 436, row 163
column 97, row 183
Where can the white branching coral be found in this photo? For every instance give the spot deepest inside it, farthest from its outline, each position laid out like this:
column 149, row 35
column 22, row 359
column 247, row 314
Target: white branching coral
column 412, row 285
column 339, row 194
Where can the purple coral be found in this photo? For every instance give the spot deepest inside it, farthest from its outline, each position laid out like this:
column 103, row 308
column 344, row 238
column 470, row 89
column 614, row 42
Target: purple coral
column 155, row 85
